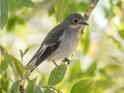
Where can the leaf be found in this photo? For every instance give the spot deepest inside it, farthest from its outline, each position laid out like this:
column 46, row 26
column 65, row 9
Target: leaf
column 4, row 81
column 102, row 83
column 17, row 66
column 3, row 13
column 30, row 87
column 82, row 86
column 91, row 69
column 71, row 9
column 21, row 53
column 116, row 42
column 27, row 3
column 57, row 74
column 81, row 6
column 26, row 50
column 13, row 21
column 51, row 10
column 15, row 87
column 48, row 91
column 4, row 64
column 37, row 90
column 86, row 41
column 75, row 71
column 121, row 33
column 60, row 7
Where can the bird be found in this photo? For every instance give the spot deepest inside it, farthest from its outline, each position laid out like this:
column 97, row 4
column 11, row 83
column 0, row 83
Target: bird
column 60, row 42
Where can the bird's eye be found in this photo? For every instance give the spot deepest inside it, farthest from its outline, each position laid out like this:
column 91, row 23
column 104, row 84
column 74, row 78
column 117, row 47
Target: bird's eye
column 75, row 20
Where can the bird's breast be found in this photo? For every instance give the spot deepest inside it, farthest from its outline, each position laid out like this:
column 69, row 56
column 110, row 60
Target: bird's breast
column 68, row 44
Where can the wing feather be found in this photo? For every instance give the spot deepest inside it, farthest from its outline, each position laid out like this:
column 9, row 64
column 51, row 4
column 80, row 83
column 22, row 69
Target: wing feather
column 49, row 45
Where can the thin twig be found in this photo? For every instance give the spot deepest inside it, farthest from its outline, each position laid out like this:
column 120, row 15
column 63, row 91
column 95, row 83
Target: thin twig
column 93, row 3
column 21, row 88
column 50, row 87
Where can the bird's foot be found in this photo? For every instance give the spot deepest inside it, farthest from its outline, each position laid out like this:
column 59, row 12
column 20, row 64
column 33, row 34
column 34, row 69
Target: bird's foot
column 66, row 60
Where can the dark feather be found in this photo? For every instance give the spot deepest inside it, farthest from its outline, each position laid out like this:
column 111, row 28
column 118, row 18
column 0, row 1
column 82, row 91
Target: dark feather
column 46, row 53
column 51, row 42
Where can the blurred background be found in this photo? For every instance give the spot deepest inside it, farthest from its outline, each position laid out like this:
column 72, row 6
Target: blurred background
column 100, row 52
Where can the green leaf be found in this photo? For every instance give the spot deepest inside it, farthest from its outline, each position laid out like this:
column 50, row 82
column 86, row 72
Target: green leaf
column 3, row 13
column 37, row 90
column 27, row 3
column 81, row 6
column 57, row 74
column 75, row 71
column 17, row 66
column 15, row 87
column 4, row 81
column 116, row 42
column 26, row 50
column 91, row 69
column 13, row 22
column 51, row 10
column 121, row 33
column 48, row 91
column 60, row 7
column 86, row 41
column 21, row 54
column 31, row 86
column 83, row 86
column 4, row 64
column 71, row 9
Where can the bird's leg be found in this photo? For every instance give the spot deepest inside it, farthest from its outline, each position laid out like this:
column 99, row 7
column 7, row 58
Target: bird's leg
column 66, row 60
column 55, row 63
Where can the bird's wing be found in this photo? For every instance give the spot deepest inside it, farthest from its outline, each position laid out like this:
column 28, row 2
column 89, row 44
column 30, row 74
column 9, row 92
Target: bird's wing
column 49, row 45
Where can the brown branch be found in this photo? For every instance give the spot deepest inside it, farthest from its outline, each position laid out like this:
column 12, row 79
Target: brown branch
column 50, row 87
column 93, row 3
column 21, row 83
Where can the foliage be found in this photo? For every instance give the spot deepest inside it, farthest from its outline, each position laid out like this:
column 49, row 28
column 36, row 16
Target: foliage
column 103, row 54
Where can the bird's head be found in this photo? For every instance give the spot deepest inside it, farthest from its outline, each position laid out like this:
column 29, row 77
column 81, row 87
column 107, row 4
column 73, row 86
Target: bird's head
column 76, row 21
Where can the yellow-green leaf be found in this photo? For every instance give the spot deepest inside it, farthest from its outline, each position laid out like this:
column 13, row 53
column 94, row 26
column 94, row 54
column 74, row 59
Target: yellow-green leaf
column 57, row 74
column 15, row 87
column 48, row 91
column 82, row 86
column 27, row 3
column 17, row 66
column 3, row 13
column 60, row 8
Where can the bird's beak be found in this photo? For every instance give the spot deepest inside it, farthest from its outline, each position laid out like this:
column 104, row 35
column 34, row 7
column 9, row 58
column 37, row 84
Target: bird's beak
column 83, row 22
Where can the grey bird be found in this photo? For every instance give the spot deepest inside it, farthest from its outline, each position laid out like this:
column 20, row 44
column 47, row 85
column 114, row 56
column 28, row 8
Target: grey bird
column 60, row 42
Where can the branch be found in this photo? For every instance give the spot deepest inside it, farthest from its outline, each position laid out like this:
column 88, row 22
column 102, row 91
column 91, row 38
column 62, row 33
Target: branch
column 21, row 88
column 93, row 3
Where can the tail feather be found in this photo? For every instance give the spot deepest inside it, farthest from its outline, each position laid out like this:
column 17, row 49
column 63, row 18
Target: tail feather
column 33, row 62
column 31, row 65
column 41, row 55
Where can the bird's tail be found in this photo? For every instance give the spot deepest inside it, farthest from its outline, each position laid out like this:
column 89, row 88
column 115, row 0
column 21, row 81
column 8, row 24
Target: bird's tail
column 31, row 65
column 35, row 61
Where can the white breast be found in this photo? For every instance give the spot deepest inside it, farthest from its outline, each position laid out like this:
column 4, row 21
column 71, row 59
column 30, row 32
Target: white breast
column 68, row 44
